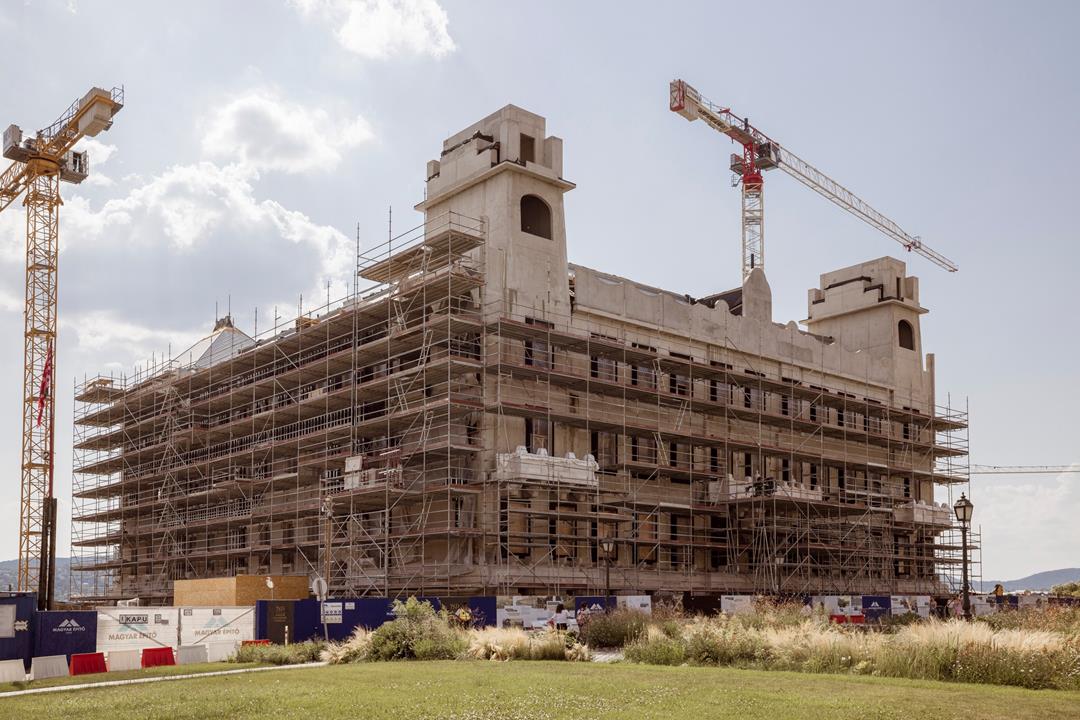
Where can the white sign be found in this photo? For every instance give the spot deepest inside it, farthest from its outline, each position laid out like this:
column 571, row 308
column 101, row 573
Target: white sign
column 911, row 604
column 220, row 629
column 7, row 621
column 124, row 629
column 639, row 603
column 838, row 604
column 736, row 604
column 332, row 613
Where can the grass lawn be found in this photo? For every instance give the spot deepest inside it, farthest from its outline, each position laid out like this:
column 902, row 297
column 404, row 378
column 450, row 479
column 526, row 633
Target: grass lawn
column 128, row 675
column 544, row 690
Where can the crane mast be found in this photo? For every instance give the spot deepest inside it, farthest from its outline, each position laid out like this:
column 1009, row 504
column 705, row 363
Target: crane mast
column 38, row 166
column 760, row 152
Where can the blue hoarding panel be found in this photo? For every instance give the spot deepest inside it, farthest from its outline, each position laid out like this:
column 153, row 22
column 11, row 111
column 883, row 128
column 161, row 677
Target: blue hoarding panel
column 17, row 633
column 65, row 632
column 875, row 607
column 484, row 610
column 594, row 603
column 344, row 615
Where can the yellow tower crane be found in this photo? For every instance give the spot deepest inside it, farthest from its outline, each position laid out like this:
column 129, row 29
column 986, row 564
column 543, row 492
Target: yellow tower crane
column 39, row 164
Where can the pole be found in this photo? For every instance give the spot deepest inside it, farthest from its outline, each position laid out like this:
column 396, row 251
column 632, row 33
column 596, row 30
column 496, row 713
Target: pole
column 43, row 559
column 54, row 521
column 607, row 583
column 964, row 571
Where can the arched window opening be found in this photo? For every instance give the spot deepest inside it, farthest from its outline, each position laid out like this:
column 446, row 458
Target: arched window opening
column 535, row 216
column 907, row 335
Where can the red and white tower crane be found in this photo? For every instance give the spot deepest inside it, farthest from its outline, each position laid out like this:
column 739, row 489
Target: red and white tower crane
column 759, row 153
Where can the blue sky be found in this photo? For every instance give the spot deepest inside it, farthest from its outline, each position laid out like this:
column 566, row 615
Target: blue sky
column 258, row 134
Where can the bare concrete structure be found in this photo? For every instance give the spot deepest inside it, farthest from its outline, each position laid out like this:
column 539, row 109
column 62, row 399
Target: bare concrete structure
column 485, row 414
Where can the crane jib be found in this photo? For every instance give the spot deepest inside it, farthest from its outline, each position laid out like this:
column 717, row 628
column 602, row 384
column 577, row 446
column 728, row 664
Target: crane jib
column 762, row 153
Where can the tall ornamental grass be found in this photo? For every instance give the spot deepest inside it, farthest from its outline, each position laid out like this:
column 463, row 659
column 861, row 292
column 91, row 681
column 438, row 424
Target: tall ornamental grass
column 931, row 650
column 418, row 632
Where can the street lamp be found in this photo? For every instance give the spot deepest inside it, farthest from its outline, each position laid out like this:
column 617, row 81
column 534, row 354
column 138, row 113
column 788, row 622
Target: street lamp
column 963, row 509
column 608, row 546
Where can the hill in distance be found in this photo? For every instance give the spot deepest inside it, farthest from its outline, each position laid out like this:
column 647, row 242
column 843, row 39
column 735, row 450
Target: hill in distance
column 1039, row 581
column 9, row 570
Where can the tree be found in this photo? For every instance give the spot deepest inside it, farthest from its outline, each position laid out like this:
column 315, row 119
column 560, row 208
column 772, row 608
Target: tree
column 1067, row 589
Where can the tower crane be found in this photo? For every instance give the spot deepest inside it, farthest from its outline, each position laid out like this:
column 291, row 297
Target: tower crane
column 38, row 165
column 760, row 153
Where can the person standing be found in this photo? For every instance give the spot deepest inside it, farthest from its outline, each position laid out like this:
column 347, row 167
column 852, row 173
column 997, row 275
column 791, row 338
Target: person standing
column 561, row 619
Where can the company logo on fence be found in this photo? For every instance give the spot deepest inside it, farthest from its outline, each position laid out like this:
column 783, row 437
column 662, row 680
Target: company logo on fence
column 136, row 627
column 217, row 631
column 69, row 626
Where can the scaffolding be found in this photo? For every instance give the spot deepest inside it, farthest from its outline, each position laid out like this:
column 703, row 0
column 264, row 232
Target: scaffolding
column 419, row 437
column 718, row 470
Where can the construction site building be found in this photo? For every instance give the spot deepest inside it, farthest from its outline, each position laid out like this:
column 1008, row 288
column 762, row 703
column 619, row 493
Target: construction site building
column 482, row 417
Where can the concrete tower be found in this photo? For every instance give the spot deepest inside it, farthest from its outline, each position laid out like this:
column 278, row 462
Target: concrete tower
column 874, row 308
column 507, row 172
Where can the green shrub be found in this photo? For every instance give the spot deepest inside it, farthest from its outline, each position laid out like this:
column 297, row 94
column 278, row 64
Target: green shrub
column 657, row 648
column 1071, row 589
column 417, row 632
column 672, row 629
column 720, row 642
column 294, row 654
column 612, row 629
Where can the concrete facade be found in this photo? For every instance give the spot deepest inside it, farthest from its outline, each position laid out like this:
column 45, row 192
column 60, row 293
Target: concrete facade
column 489, row 414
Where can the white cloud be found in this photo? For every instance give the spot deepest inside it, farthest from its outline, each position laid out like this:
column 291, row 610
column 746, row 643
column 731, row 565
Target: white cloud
column 1026, row 521
column 380, row 29
column 11, row 304
column 100, row 331
column 99, row 155
column 195, row 209
column 263, row 131
column 13, row 234
column 100, row 152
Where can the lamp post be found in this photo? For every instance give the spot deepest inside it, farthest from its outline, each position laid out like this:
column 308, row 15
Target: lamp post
column 608, row 546
column 963, row 509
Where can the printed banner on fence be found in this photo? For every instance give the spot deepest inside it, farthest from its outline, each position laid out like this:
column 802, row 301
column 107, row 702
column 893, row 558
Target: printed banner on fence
column 876, row 607
column 638, row 603
column 65, row 633
column 736, row 604
column 838, row 604
column 910, row 604
column 220, row 629
column 135, row 628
